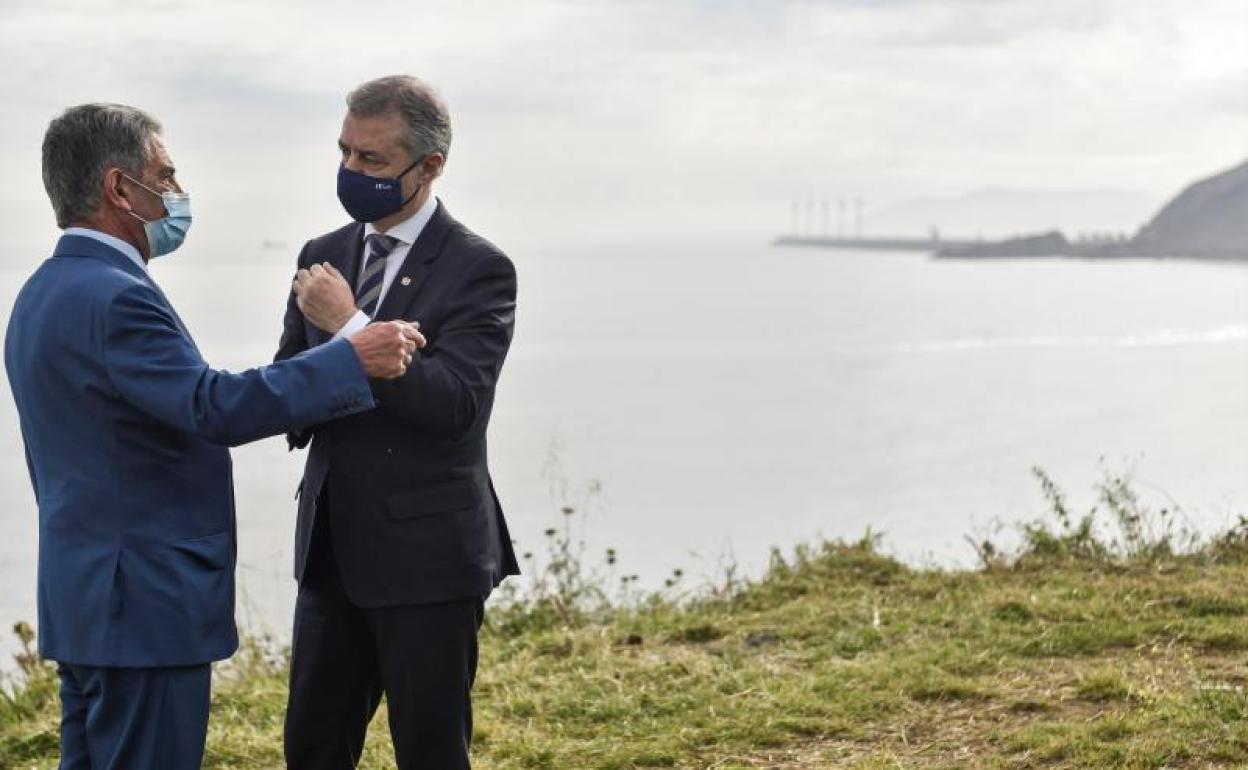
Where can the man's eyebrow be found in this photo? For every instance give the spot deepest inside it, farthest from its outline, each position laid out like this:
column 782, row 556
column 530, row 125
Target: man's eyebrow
column 168, row 171
column 365, row 154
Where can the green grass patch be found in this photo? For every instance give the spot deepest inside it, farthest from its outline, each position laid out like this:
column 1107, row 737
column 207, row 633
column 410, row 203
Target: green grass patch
column 1080, row 650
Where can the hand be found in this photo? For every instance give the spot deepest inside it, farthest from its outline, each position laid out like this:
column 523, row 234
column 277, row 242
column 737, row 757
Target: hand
column 412, row 330
column 324, row 297
column 386, row 348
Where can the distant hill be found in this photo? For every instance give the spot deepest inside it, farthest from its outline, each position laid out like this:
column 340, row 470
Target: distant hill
column 1208, row 219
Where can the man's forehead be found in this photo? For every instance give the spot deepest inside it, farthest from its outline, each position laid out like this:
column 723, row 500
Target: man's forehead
column 377, row 132
column 158, row 152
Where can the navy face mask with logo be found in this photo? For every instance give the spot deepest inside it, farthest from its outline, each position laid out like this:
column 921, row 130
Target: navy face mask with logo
column 369, row 198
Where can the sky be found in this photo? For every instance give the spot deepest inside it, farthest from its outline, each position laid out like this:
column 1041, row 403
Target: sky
column 602, row 121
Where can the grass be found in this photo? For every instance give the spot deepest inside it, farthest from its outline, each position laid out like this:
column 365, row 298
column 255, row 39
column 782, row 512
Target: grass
column 1082, row 649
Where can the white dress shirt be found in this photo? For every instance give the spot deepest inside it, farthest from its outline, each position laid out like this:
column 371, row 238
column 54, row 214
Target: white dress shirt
column 108, row 240
column 405, row 234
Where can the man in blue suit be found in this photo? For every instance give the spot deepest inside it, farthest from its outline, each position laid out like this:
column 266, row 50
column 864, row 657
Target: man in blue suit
column 126, row 429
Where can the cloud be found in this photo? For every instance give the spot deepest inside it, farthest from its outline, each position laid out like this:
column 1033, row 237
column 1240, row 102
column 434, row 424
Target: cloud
column 596, row 115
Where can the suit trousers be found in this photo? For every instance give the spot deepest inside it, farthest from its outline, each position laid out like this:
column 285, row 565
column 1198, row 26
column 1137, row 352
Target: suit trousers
column 344, row 657
column 134, row 718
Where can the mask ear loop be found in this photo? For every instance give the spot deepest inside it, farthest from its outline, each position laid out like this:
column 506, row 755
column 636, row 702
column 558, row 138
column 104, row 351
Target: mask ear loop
column 153, row 192
column 140, row 184
column 416, row 192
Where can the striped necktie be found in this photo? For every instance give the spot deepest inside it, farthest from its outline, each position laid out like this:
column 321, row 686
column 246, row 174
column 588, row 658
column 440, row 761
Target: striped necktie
column 376, row 248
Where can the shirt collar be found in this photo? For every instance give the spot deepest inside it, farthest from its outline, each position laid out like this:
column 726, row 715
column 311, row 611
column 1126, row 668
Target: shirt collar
column 109, row 240
column 409, row 229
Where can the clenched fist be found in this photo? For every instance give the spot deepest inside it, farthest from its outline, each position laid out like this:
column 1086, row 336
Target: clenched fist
column 324, row 297
column 386, row 348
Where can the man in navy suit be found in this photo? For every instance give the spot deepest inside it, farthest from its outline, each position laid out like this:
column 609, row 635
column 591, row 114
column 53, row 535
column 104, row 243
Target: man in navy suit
column 126, row 428
column 400, row 537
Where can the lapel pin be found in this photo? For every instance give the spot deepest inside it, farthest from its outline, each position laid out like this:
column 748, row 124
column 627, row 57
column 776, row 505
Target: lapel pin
column 406, row 281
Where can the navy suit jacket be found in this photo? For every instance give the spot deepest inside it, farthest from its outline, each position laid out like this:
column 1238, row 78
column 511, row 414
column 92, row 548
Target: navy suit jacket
column 414, row 517
column 126, row 429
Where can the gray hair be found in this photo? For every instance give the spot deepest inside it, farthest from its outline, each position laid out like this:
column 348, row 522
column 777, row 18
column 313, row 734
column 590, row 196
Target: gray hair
column 85, row 141
column 420, row 107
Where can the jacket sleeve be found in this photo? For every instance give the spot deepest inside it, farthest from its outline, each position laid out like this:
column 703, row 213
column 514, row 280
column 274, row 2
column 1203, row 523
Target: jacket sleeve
column 156, row 368
column 450, row 382
column 293, row 342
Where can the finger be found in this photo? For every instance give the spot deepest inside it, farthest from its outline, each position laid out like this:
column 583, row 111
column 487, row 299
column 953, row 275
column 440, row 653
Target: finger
column 420, row 340
column 316, row 269
column 333, row 271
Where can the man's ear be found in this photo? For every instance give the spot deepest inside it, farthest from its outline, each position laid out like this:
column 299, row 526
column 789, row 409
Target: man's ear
column 431, row 168
column 112, row 194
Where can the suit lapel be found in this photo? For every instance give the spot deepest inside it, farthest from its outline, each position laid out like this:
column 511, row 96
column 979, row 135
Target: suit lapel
column 416, row 266
column 345, row 256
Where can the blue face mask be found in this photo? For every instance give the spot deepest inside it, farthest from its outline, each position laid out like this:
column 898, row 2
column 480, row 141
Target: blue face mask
column 166, row 234
column 370, row 198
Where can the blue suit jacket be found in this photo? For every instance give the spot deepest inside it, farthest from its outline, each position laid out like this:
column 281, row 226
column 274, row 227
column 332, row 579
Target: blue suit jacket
column 126, row 429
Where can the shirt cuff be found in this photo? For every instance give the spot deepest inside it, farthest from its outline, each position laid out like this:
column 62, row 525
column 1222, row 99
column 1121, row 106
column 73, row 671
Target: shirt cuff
column 357, row 322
